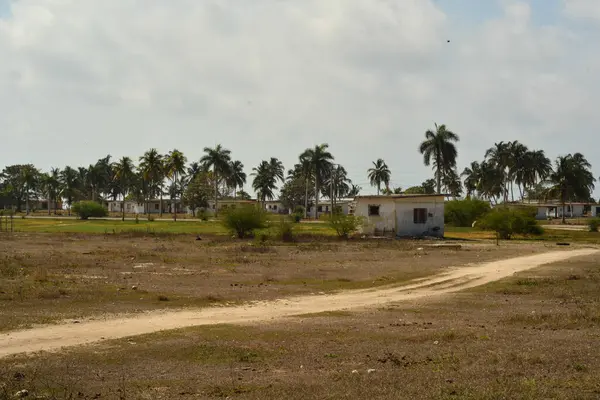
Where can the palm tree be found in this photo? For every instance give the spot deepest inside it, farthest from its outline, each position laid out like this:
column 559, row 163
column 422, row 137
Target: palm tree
column 193, row 170
column 517, row 165
column 152, row 170
column 354, row 190
column 452, row 183
column 336, row 184
column 175, row 167
column 264, row 182
column 105, row 170
column 380, row 173
column 500, row 157
column 571, row 180
column 472, row 175
column 69, row 179
column 491, row 181
column 124, row 175
column 438, row 149
column 533, row 168
column 217, row 158
column 51, row 186
column 30, row 178
column 320, row 161
column 236, row 177
column 304, row 171
column 277, row 169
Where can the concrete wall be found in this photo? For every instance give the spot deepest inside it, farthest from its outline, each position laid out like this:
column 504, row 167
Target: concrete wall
column 397, row 215
column 571, row 211
column 385, row 222
column 434, row 225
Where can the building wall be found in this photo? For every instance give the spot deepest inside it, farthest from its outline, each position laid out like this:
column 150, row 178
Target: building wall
column 434, row 224
column 397, row 215
column 570, row 211
column 326, row 208
column 384, row 222
column 595, row 210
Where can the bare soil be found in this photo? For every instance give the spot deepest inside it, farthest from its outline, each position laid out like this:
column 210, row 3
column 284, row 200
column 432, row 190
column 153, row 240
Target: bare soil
column 45, row 278
column 58, row 336
column 529, row 336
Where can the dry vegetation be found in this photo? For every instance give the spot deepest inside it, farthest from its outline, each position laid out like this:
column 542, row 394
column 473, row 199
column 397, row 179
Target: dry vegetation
column 45, row 278
column 528, row 337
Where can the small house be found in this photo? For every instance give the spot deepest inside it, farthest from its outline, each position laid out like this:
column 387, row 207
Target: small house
column 402, row 215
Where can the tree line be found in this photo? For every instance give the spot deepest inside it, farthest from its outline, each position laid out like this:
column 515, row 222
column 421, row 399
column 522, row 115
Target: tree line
column 506, row 166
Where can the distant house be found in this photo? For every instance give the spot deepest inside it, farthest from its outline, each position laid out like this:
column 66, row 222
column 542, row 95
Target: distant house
column 555, row 210
column 595, row 210
column 275, row 207
column 226, row 204
column 402, row 215
column 345, row 205
column 133, row 207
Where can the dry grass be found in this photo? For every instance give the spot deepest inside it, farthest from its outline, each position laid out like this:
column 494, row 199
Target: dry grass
column 532, row 336
column 45, row 277
column 481, row 344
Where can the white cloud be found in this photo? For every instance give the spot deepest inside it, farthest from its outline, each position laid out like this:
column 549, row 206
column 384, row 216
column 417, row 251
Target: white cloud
column 272, row 77
column 582, row 8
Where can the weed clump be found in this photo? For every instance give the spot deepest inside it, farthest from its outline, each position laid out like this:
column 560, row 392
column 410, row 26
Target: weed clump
column 507, row 222
column 594, row 224
column 344, row 225
column 87, row 209
column 244, row 221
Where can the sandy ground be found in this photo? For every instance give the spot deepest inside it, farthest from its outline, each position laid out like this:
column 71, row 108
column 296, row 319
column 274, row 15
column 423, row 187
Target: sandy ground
column 54, row 337
column 567, row 227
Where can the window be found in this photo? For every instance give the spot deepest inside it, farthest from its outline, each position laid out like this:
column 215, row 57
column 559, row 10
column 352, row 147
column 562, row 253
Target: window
column 420, row 215
column 275, row 207
column 156, row 206
column 320, row 208
column 373, row 210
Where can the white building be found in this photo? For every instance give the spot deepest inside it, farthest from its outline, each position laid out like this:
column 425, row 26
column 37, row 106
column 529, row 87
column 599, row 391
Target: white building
column 555, row 210
column 275, row 207
column 133, row 207
column 595, row 210
column 325, row 207
column 402, row 215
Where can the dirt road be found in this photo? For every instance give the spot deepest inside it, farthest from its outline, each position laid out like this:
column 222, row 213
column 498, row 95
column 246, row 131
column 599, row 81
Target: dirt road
column 54, row 337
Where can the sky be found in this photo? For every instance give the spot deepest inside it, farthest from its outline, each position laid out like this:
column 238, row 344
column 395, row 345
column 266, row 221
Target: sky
column 80, row 79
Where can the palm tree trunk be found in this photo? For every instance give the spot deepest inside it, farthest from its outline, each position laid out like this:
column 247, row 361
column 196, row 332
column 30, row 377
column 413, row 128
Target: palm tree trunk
column 378, row 187
column 438, row 174
column 305, row 198
column 216, row 190
column 316, row 198
column 49, row 203
column 174, row 197
column 521, row 192
column 123, row 208
column 27, row 201
column 160, row 212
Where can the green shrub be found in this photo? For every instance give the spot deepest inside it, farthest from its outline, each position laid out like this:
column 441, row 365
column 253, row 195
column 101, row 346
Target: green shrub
column 507, row 222
column 202, row 214
column 344, row 225
column 464, row 212
column 299, row 210
column 87, row 209
column 284, row 230
column 243, row 221
column 594, row 224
